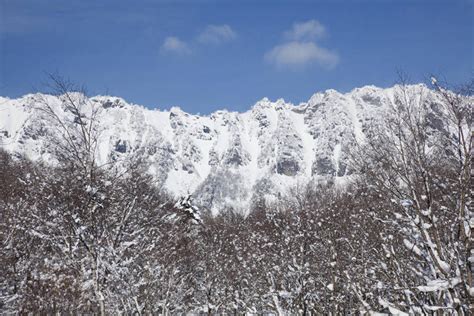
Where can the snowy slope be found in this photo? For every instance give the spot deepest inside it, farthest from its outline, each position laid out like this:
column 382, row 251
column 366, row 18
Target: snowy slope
column 225, row 158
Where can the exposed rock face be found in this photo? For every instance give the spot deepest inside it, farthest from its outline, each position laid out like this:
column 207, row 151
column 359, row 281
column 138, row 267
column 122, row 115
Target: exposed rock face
column 290, row 146
column 226, row 158
column 121, row 146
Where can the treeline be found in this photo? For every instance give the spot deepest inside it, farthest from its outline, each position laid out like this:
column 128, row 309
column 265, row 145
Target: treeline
column 79, row 237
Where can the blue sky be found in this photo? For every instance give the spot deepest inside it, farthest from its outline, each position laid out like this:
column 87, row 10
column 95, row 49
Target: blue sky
column 209, row 55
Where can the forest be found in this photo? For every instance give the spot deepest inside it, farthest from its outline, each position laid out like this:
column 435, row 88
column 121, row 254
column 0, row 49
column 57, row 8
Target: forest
column 79, row 237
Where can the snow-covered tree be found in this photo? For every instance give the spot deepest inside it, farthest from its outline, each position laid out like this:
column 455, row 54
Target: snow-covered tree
column 420, row 160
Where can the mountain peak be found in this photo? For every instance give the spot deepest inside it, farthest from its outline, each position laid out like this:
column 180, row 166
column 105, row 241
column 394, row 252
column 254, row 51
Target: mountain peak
column 223, row 158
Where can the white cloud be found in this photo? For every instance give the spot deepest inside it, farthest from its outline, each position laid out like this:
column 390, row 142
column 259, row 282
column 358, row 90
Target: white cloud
column 309, row 30
column 216, row 34
column 298, row 54
column 173, row 44
column 300, row 48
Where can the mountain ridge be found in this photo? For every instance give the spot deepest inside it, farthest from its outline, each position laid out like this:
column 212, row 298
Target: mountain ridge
column 225, row 158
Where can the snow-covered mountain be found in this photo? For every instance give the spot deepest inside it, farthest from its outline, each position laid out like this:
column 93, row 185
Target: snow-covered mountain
column 225, row 158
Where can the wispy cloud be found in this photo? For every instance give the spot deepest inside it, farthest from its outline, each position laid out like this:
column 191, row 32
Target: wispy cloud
column 216, row 34
column 300, row 48
column 174, row 45
column 212, row 34
column 298, row 54
column 309, row 30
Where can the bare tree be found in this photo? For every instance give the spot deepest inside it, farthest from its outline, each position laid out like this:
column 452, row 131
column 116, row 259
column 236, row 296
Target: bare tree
column 420, row 158
column 94, row 223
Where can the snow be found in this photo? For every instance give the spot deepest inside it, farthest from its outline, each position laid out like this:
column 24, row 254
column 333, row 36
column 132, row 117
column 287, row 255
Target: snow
column 438, row 285
column 351, row 107
column 13, row 118
column 337, row 156
column 322, row 128
column 391, row 308
column 406, row 203
column 308, row 141
column 412, row 247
